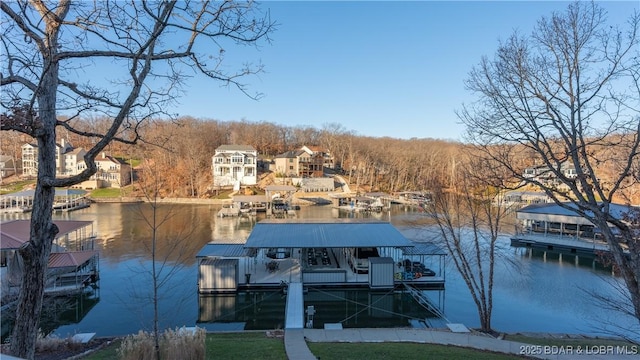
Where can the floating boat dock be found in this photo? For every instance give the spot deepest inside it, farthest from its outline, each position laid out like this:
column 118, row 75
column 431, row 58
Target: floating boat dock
column 64, row 200
column 550, row 227
column 317, row 254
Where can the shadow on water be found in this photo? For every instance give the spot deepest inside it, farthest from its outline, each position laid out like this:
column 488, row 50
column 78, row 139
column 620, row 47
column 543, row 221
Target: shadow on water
column 352, row 308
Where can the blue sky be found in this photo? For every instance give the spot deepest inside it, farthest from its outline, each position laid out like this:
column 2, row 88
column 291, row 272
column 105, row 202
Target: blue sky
column 378, row 68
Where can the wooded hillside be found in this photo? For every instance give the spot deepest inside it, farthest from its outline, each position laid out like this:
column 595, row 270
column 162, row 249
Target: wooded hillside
column 181, row 150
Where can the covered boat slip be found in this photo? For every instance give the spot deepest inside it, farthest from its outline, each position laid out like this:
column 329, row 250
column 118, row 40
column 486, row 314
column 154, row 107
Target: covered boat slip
column 318, row 253
column 552, row 227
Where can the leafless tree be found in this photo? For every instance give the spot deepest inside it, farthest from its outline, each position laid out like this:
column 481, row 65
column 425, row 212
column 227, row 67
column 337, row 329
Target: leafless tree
column 568, row 94
column 469, row 224
column 168, row 243
column 52, row 56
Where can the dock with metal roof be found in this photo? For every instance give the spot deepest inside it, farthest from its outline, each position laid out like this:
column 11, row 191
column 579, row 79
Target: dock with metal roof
column 316, row 253
column 551, row 227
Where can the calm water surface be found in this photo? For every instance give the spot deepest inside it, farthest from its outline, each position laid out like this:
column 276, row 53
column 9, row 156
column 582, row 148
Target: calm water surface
column 534, row 294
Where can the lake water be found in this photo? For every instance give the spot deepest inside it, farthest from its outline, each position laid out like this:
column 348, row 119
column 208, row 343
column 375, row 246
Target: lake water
column 532, row 293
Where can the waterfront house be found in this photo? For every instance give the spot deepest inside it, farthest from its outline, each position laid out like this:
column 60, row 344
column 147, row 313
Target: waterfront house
column 235, row 165
column 300, row 163
column 287, row 164
column 73, row 263
column 8, row 166
column 73, row 163
column 112, row 172
column 544, row 175
column 30, row 158
column 327, row 162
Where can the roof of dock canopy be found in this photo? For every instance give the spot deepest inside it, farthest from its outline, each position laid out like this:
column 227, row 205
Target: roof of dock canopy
column 249, row 198
column 332, row 233
column 59, row 192
column 223, row 250
column 555, row 213
column 14, row 233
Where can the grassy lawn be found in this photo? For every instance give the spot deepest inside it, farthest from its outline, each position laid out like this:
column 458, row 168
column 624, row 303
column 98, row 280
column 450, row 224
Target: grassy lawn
column 244, row 346
column 369, row 351
column 15, row 186
column 110, row 192
column 256, row 345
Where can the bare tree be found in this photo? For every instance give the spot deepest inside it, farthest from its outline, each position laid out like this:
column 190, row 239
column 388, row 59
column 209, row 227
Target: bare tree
column 168, row 246
column 469, row 225
column 51, row 56
column 568, row 94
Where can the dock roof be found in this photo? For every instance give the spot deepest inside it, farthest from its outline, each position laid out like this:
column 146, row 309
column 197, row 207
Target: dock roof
column 557, row 213
column 70, row 258
column 249, row 198
column 59, row 192
column 15, row 233
column 222, row 250
column 332, row 233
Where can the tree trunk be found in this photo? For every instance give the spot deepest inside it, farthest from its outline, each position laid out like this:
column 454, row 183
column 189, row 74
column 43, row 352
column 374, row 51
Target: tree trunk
column 35, row 254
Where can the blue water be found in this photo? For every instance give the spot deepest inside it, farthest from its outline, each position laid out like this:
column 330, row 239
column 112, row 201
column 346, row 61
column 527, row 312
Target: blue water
column 531, row 294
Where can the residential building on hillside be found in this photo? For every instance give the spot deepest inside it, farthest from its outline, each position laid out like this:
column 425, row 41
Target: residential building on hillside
column 112, row 172
column 544, row 175
column 8, row 166
column 328, row 161
column 286, row 164
column 235, row 165
column 30, row 158
column 300, row 163
column 73, row 162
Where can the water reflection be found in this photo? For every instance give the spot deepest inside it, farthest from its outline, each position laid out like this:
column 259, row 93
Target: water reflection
column 540, row 296
column 353, row 308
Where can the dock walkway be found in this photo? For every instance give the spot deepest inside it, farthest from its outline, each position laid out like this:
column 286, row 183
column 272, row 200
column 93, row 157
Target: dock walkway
column 294, row 342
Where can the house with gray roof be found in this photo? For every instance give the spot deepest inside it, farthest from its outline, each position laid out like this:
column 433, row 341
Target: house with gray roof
column 235, row 165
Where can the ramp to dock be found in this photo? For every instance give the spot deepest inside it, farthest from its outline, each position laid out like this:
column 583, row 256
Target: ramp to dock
column 294, row 313
column 294, row 340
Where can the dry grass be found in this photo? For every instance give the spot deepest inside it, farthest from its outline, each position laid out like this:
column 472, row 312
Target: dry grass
column 53, row 343
column 174, row 344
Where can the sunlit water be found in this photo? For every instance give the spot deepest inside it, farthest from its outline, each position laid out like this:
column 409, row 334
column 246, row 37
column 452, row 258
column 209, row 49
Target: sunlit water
column 532, row 293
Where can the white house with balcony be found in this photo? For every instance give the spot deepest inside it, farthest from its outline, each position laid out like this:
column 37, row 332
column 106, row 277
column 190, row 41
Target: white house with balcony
column 30, row 158
column 235, row 165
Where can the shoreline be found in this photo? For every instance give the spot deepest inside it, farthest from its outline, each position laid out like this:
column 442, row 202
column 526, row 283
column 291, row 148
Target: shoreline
column 307, row 199
column 124, row 199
